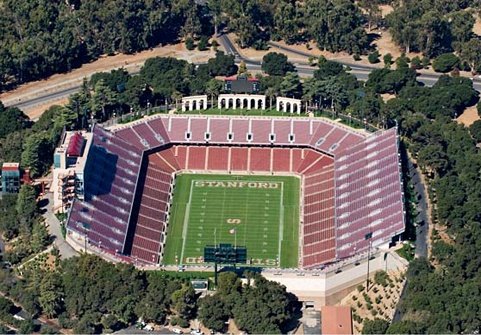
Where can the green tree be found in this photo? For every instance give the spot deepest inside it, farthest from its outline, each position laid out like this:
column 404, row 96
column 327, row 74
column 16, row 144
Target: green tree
column 375, row 326
column 470, row 52
column 276, row 64
column 212, row 313
column 222, row 64
column 291, row 85
column 373, row 57
column 103, row 100
column 40, row 238
column 184, row 302
column 445, row 62
column 213, row 88
column 335, row 25
column 388, row 60
column 11, row 120
column 475, row 130
column 26, row 207
column 51, row 294
column 189, row 43
column 37, row 153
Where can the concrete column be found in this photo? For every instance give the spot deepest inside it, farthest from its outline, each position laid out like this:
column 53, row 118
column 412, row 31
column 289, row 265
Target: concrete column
column 205, row 103
column 255, row 103
column 183, row 106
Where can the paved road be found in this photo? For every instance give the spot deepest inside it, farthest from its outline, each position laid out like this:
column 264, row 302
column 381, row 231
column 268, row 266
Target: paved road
column 66, row 251
column 360, row 71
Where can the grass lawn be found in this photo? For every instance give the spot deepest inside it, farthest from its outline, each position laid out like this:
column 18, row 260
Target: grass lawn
column 258, row 212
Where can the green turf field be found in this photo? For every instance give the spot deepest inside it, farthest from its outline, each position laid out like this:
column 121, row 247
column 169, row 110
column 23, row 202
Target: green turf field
column 258, row 212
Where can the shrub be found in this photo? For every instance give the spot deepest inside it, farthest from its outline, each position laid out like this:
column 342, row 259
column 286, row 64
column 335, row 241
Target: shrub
column 373, row 312
column 359, row 304
column 214, row 44
column 387, row 60
column 369, row 306
column 189, row 43
column 354, row 297
column 203, row 43
column 375, row 290
column 356, row 57
column 381, row 278
column 445, row 62
column 360, row 288
column 416, row 63
column 425, row 61
column 373, row 57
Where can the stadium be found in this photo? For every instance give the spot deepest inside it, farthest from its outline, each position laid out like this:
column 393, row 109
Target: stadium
column 298, row 192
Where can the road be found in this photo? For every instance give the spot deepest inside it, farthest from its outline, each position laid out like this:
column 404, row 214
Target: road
column 360, row 71
column 66, row 251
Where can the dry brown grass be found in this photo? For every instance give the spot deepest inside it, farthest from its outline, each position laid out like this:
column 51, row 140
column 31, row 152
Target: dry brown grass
column 468, row 117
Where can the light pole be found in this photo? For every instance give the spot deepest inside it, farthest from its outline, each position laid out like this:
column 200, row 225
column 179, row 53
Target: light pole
column 86, row 228
column 368, row 236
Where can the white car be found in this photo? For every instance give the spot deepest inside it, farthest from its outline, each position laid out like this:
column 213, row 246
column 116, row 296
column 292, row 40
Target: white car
column 177, row 330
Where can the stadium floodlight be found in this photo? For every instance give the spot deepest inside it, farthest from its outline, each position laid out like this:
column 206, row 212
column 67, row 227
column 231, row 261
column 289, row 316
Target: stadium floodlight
column 224, row 253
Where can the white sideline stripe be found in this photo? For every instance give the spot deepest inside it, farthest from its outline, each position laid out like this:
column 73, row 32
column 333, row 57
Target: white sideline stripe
column 186, row 222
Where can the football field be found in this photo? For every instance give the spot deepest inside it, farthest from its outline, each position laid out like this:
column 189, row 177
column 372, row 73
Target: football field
column 258, row 212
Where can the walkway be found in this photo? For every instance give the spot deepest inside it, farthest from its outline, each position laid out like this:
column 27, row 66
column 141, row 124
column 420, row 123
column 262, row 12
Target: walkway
column 54, row 229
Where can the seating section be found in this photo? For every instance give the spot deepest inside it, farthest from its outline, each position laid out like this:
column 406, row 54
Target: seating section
column 319, row 218
column 197, row 129
column 110, row 178
column 154, row 206
column 218, row 158
column 369, row 193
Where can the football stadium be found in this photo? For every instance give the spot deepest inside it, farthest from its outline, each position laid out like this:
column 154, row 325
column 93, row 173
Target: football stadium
column 297, row 192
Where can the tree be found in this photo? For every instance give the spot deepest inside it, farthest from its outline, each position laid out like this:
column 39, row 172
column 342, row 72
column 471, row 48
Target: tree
column 335, row 25
column 103, row 99
column 376, row 326
column 51, row 294
column 291, row 85
column 213, row 88
column 11, row 119
column 373, row 57
column 184, row 302
column 189, row 43
column 26, row 206
column 37, row 153
column 212, row 313
column 388, row 60
column 470, row 52
column 475, row 130
column 40, row 238
column 276, row 64
column 445, row 62
column 222, row 64
column 286, row 22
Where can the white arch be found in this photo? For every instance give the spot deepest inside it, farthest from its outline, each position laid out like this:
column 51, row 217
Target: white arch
column 256, row 101
column 286, row 105
column 197, row 101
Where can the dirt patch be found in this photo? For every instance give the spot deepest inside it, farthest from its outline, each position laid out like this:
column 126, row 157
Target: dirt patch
column 477, row 25
column 380, row 301
column 35, row 112
column 468, row 117
column 387, row 96
column 385, row 10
